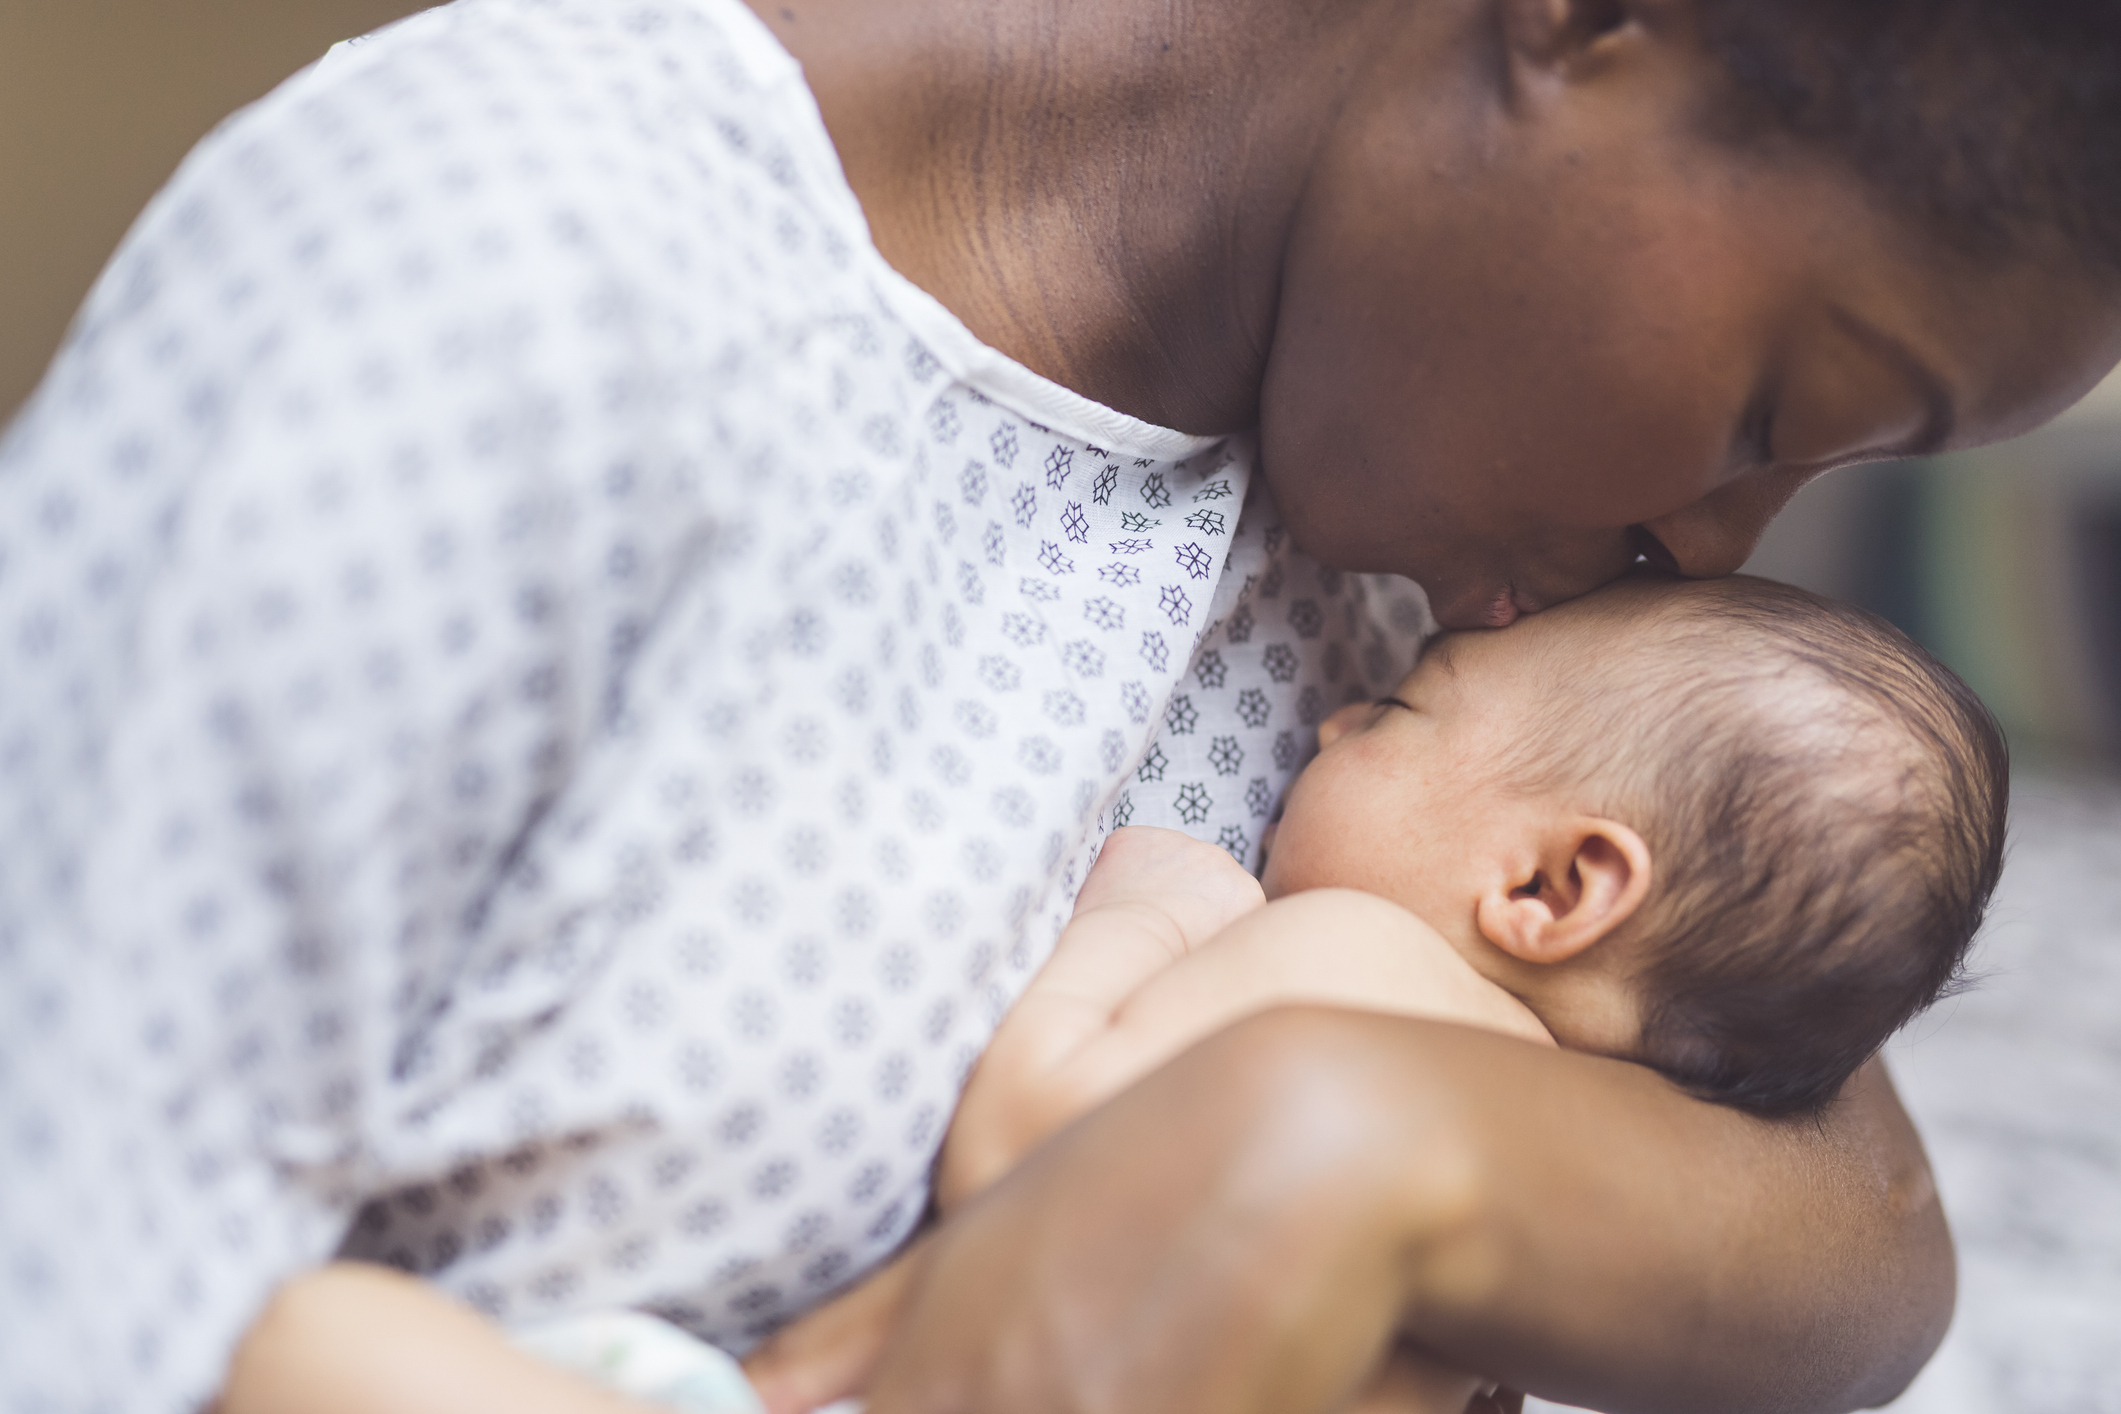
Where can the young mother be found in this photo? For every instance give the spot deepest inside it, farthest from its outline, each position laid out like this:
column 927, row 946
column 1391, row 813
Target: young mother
column 557, row 680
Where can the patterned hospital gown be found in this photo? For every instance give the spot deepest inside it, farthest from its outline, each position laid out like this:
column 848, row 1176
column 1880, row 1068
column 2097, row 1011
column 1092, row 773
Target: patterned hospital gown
column 549, row 700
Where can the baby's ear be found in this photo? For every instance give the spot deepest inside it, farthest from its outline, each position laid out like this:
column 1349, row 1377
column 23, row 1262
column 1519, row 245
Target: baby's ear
column 1582, row 877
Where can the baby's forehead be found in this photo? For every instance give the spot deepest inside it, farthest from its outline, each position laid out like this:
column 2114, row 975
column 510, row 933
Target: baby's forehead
column 1678, row 619
column 1705, row 646
column 1598, row 622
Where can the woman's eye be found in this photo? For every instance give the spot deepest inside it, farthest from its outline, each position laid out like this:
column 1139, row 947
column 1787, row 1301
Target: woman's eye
column 1757, row 436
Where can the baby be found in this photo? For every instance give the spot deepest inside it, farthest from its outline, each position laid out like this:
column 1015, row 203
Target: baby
column 1724, row 828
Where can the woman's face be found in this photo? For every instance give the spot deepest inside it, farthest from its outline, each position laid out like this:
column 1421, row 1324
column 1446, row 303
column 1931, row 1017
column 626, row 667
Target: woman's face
column 1595, row 333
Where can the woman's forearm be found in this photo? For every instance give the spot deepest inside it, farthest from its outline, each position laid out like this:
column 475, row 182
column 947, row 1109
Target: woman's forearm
column 1632, row 1249
column 1250, row 1228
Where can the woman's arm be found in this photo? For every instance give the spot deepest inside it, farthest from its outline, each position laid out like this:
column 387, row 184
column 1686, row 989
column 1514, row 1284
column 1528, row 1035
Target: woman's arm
column 1250, row 1227
column 1656, row 1253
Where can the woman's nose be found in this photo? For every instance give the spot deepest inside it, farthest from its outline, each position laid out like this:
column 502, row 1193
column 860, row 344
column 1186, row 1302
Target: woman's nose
column 1716, row 534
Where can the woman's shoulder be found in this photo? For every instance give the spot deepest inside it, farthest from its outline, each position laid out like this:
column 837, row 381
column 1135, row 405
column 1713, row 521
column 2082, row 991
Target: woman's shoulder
column 565, row 156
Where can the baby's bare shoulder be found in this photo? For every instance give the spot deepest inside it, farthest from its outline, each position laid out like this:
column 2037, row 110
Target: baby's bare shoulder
column 1344, row 947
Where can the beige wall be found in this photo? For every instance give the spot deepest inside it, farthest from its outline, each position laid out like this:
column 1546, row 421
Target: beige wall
column 98, row 101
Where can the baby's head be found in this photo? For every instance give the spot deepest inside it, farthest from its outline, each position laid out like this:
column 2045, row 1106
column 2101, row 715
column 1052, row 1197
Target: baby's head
column 1725, row 827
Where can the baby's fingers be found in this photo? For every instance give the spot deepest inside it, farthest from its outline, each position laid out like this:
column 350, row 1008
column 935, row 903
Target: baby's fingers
column 830, row 1354
column 1199, row 885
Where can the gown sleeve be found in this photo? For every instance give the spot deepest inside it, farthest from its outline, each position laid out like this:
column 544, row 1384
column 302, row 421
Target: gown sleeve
column 323, row 550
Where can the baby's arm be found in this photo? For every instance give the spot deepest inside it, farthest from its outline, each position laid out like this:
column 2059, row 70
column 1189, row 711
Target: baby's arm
column 1169, row 943
column 1135, row 980
column 1153, row 898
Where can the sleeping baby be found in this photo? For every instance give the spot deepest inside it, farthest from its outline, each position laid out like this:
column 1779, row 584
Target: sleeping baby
column 1725, row 829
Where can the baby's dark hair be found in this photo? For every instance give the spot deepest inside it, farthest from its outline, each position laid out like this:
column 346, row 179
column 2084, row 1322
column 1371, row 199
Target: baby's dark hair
column 1984, row 121
column 1824, row 804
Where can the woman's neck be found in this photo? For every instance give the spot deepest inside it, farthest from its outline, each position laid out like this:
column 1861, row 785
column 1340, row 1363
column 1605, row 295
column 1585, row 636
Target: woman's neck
column 1099, row 188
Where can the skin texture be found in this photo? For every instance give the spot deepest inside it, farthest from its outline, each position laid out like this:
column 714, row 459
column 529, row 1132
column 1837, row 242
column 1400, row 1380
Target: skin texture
column 1171, row 941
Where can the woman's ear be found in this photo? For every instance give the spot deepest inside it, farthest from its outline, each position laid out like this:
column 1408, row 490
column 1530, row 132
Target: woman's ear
column 1586, row 876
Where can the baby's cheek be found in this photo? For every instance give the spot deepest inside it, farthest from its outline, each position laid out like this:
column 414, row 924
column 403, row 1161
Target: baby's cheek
column 1298, row 858
column 1300, row 845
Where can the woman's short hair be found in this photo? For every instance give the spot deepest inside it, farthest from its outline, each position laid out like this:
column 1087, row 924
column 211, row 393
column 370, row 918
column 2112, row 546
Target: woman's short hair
column 1985, row 122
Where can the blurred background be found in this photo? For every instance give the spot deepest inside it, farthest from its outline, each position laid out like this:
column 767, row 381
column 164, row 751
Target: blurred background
column 99, row 99
column 2006, row 562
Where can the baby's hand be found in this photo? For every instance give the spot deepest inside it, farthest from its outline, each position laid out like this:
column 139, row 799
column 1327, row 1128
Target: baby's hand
column 1197, row 886
column 1153, row 897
